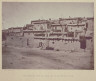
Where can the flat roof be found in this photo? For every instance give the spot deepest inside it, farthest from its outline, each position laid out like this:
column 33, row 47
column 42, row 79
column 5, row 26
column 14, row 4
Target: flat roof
column 75, row 24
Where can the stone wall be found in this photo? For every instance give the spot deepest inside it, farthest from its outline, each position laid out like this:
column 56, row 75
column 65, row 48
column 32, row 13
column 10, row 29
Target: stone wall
column 56, row 44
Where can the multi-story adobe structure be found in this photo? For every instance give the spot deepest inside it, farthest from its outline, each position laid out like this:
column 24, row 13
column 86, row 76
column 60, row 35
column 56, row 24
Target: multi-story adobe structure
column 15, row 31
column 50, row 33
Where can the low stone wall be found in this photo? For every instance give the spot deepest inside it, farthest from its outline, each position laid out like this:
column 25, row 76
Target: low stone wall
column 15, row 41
column 64, row 45
column 56, row 44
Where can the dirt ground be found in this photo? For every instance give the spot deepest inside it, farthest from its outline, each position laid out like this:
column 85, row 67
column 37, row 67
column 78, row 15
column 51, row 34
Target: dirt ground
column 35, row 58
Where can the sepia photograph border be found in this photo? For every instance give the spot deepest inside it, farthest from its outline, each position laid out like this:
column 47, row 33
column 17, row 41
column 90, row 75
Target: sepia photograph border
column 46, row 75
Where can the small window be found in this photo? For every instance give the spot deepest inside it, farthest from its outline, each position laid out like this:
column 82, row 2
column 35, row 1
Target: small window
column 53, row 42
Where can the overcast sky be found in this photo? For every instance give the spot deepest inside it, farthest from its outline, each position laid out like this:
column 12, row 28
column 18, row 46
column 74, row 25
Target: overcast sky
column 21, row 13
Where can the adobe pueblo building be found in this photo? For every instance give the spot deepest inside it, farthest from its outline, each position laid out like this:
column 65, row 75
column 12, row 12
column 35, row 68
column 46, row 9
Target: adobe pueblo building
column 60, row 34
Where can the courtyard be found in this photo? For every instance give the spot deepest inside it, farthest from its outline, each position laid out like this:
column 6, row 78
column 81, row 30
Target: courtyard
column 36, row 58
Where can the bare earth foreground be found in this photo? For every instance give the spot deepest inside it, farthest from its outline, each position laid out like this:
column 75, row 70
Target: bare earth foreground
column 35, row 58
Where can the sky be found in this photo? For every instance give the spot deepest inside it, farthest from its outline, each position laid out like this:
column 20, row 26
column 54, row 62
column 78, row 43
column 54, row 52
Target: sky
column 18, row 14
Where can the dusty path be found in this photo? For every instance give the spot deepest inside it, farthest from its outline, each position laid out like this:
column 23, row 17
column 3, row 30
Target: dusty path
column 28, row 58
